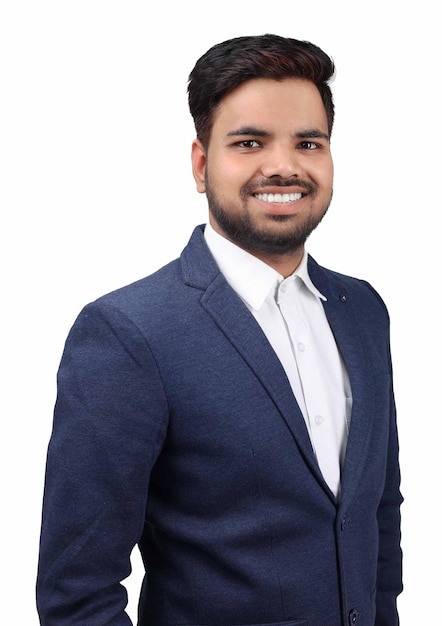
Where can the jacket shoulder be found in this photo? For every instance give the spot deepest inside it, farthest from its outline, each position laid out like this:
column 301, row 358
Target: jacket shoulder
column 336, row 284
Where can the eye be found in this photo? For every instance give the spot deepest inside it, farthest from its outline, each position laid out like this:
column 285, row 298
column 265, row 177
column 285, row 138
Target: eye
column 248, row 143
column 309, row 145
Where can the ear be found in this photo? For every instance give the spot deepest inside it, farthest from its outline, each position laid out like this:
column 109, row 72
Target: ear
column 199, row 165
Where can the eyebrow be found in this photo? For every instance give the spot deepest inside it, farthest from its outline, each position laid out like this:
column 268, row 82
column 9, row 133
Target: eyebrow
column 308, row 133
column 248, row 130
column 312, row 133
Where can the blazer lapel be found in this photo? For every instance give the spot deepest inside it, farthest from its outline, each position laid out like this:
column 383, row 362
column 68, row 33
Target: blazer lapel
column 238, row 324
column 246, row 336
column 343, row 319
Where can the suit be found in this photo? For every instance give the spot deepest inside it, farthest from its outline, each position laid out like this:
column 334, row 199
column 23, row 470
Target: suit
column 176, row 429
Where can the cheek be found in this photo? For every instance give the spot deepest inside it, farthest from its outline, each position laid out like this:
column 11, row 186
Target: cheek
column 323, row 175
column 227, row 176
column 330, row 180
column 330, row 171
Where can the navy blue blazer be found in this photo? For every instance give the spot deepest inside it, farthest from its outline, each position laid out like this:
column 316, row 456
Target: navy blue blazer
column 176, row 429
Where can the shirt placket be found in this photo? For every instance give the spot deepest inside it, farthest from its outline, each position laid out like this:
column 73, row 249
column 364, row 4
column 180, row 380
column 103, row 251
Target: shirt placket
column 317, row 405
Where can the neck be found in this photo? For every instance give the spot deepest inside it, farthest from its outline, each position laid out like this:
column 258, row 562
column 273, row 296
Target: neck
column 284, row 264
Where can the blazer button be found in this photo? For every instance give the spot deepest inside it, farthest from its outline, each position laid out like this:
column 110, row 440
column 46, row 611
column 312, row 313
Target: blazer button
column 353, row 617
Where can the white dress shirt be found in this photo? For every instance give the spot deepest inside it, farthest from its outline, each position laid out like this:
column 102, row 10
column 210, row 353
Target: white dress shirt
column 292, row 317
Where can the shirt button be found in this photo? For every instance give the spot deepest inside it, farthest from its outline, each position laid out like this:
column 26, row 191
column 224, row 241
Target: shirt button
column 318, row 419
column 301, row 347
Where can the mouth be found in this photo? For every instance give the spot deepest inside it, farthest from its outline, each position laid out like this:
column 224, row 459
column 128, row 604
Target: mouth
column 279, row 198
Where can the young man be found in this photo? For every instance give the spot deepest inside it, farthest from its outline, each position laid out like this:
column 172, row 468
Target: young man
column 233, row 413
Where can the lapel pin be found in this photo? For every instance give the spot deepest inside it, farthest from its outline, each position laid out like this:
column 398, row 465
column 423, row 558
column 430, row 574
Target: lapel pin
column 343, row 298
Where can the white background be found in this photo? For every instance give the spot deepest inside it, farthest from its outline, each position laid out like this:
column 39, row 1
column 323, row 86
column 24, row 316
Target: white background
column 96, row 191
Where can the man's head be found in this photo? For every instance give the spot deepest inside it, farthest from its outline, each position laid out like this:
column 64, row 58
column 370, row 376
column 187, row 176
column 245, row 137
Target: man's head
column 227, row 65
column 263, row 113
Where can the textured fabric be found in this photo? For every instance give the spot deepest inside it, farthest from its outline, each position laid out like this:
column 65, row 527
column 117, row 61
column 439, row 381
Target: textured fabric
column 176, row 429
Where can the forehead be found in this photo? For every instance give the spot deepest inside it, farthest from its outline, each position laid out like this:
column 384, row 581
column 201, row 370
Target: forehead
column 272, row 103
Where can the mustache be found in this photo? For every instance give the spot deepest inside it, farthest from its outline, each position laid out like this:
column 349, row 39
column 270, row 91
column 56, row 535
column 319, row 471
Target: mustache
column 254, row 185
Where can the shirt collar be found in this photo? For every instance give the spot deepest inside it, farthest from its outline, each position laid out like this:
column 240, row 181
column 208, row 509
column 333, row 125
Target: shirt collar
column 251, row 278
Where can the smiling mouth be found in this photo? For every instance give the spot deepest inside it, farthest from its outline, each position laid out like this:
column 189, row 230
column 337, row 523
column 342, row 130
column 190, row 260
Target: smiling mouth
column 280, row 198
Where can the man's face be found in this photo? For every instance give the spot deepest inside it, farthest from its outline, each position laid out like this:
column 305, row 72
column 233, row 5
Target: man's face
column 268, row 171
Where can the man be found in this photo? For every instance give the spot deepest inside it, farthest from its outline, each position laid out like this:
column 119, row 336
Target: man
column 233, row 413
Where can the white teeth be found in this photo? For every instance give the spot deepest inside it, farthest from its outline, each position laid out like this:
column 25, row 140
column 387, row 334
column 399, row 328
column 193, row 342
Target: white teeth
column 279, row 197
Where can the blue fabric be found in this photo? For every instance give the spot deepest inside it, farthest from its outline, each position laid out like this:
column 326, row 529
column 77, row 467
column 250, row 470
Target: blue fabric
column 175, row 428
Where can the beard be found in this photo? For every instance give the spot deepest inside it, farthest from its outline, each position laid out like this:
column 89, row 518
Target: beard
column 242, row 230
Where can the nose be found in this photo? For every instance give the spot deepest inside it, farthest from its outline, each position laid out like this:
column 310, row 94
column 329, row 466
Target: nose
column 281, row 161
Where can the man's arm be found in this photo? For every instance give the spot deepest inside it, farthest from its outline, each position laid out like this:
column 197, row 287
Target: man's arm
column 389, row 580
column 109, row 425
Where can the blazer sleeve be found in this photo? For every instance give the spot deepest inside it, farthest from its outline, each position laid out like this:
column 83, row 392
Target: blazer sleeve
column 110, row 421
column 389, row 577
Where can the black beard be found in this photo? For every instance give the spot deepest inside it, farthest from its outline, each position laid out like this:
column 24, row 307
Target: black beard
column 242, row 231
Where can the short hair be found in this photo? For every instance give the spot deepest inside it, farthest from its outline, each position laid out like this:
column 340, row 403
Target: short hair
column 227, row 65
